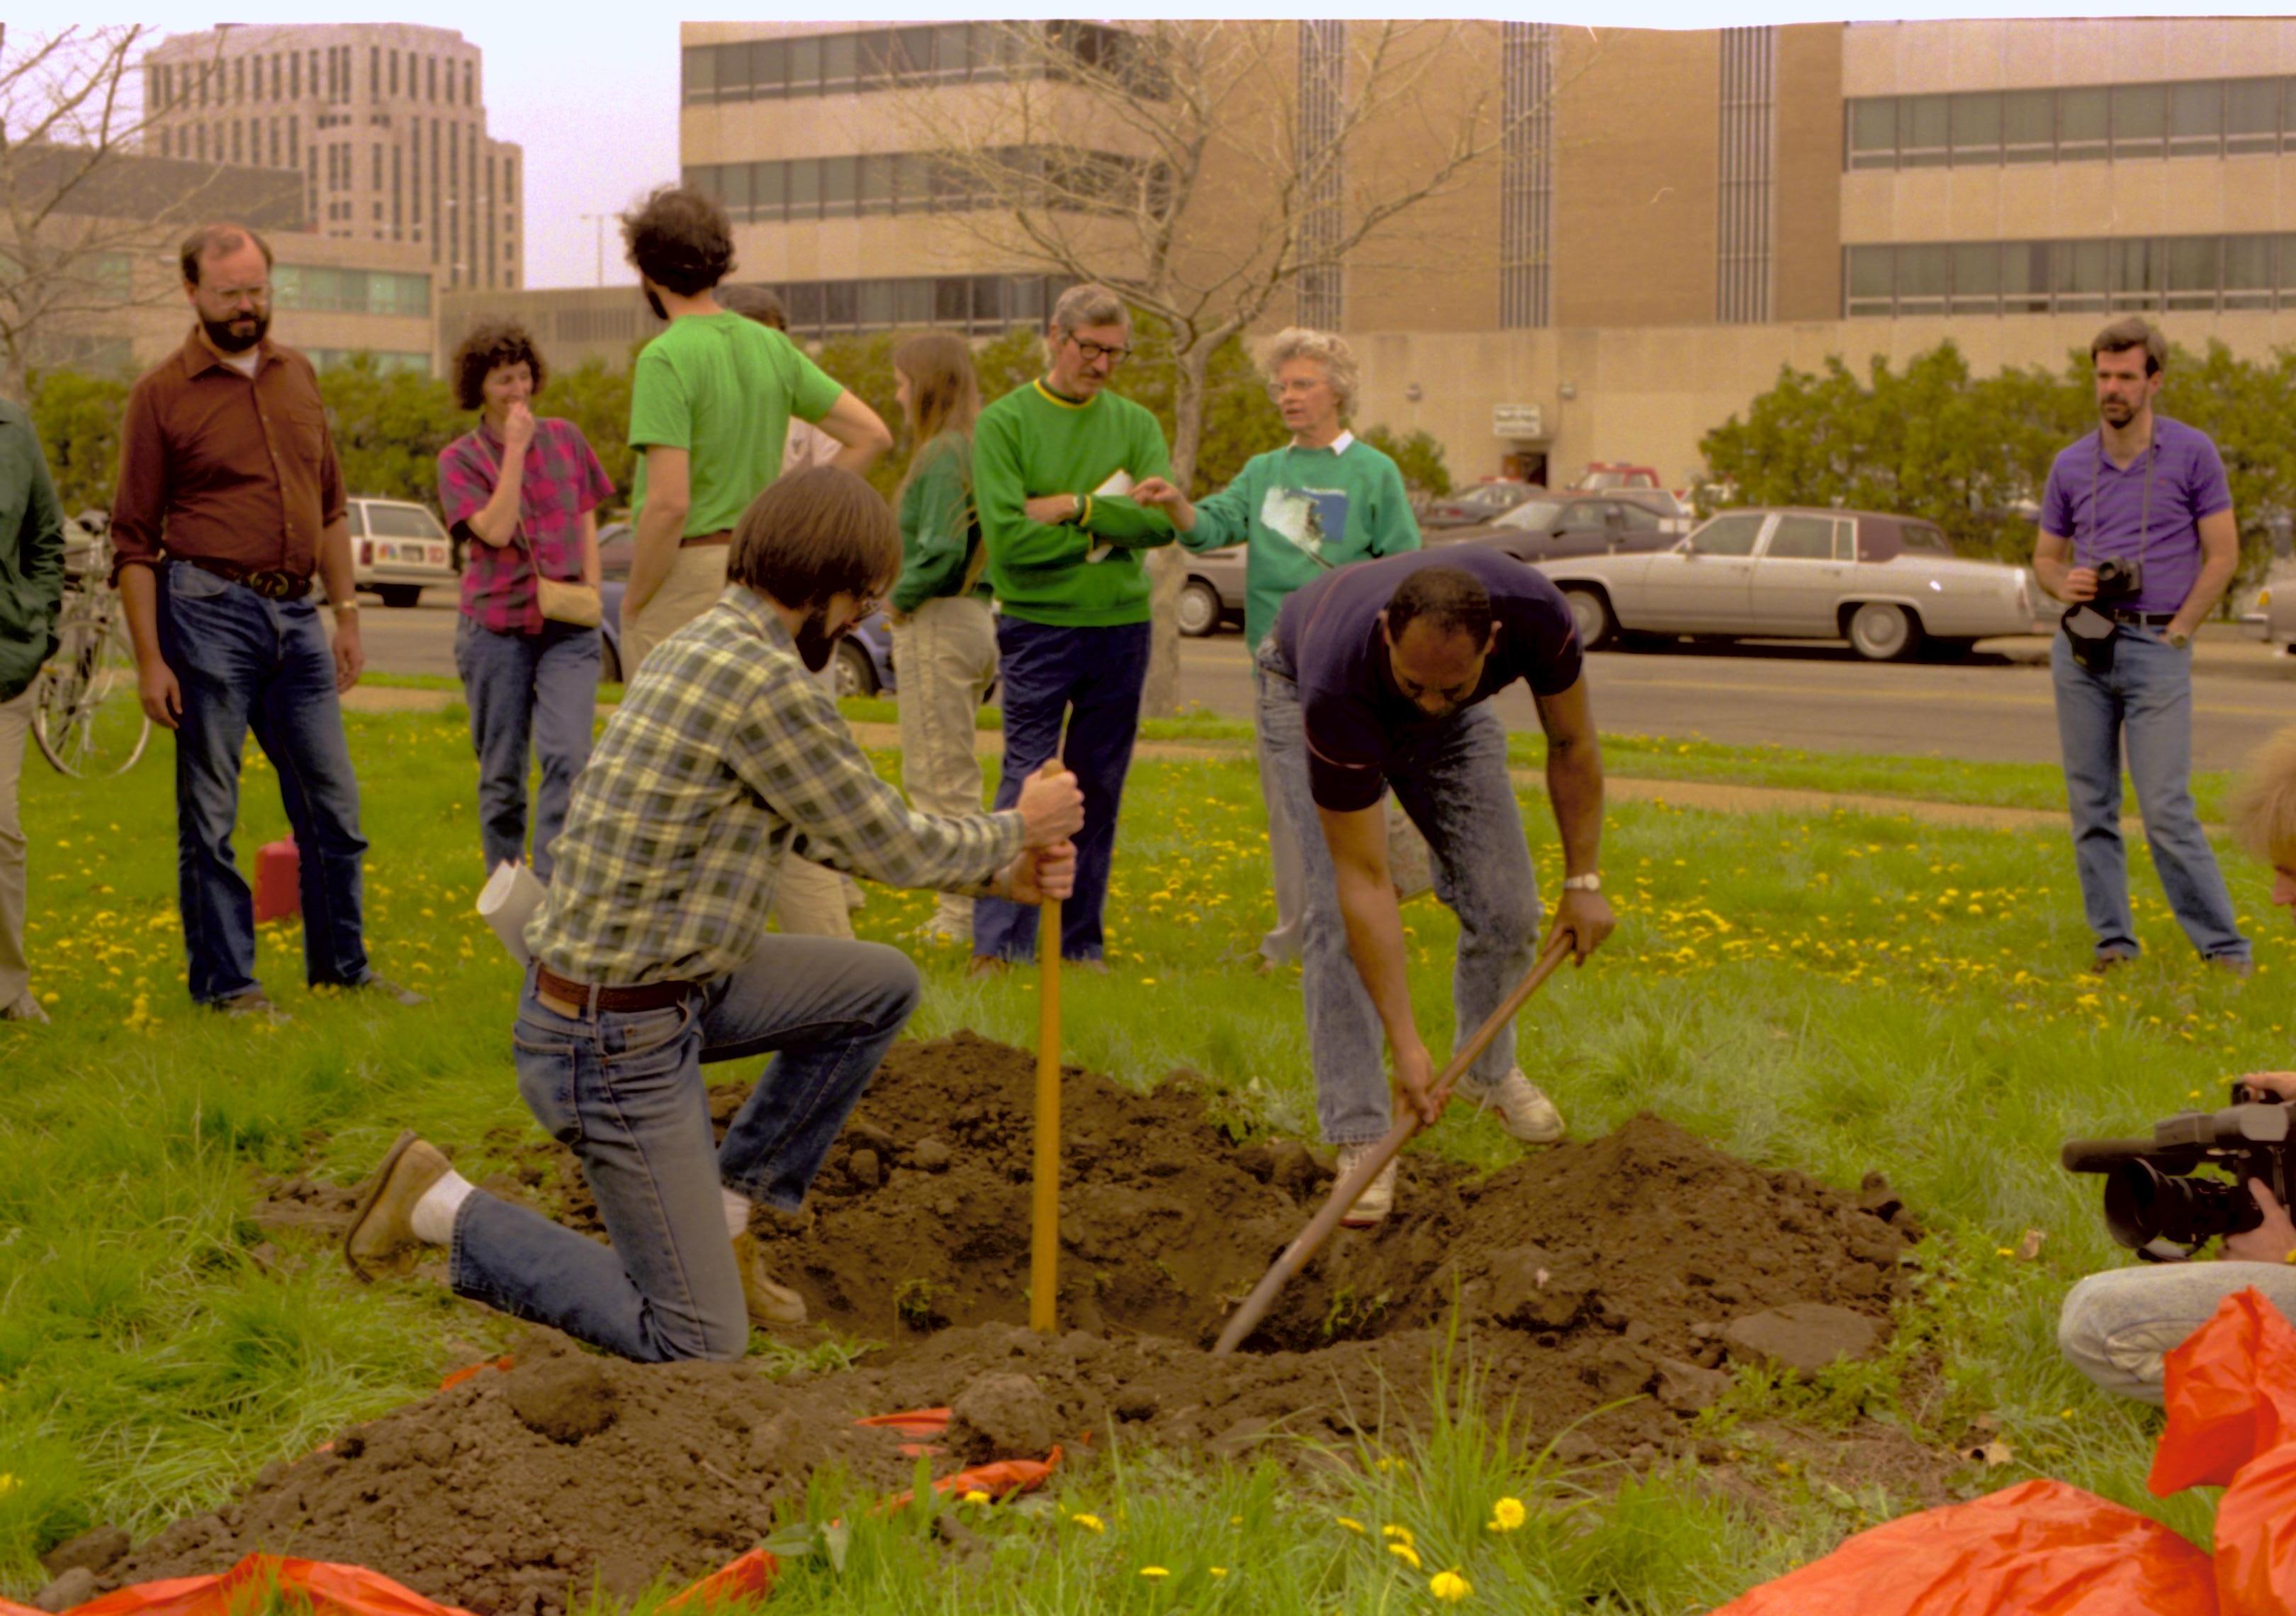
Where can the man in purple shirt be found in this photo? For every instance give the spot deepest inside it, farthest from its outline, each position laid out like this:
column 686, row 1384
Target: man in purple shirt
column 2138, row 538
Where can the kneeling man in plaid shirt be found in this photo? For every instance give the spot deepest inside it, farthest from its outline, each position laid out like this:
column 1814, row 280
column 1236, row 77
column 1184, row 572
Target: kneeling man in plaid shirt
column 652, row 955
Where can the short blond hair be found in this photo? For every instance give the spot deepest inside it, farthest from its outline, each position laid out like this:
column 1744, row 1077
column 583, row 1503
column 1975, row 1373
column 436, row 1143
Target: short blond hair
column 2264, row 805
column 1328, row 351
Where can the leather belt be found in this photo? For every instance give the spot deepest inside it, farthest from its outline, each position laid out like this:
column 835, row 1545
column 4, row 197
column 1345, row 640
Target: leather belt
column 696, row 541
column 2143, row 619
column 645, row 996
column 272, row 583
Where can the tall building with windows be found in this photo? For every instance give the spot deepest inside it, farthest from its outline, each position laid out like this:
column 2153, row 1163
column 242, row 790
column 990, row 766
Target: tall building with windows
column 385, row 122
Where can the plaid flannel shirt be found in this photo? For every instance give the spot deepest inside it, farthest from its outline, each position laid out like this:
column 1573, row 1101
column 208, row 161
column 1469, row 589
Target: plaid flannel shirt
column 560, row 479
column 724, row 758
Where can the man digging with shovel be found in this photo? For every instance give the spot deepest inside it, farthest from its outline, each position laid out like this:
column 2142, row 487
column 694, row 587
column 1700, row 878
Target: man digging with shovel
column 1379, row 676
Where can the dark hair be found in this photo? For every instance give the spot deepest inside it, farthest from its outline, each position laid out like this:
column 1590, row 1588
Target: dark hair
column 218, row 239
column 679, row 239
column 812, row 533
column 2122, row 335
column 759, row 303
column 1452, row 599
column 485, row 348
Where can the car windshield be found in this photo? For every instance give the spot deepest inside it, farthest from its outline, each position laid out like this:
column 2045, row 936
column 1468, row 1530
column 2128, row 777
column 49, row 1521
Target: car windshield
column 402, row 521
column 1533, row 515
column 1490, row 497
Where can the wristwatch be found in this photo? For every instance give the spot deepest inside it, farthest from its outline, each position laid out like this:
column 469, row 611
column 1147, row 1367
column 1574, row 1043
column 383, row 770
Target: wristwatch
column 2178, row 642
column 1582, row 883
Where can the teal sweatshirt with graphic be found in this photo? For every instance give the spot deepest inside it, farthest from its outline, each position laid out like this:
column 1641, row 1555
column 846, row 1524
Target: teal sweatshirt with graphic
column 1303, row 512
column 1032, row 442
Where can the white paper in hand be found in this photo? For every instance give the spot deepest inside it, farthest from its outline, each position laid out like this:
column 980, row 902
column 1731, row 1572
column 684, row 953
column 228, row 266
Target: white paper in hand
column 1119, row 484
column 507, row 902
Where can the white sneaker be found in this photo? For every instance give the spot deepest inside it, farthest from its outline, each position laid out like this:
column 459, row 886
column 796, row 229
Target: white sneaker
column 1373, row 1206
column 1523, row 1109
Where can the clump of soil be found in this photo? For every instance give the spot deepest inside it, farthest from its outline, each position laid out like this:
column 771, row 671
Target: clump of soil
column 1624, row 1267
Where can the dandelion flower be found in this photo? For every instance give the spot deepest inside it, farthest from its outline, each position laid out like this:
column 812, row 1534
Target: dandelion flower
column 1402, row 1534
column 1356, row 1527
column 1404, row 1553
column 1506, row 1514
column 8, row 1484
column 1449, row 1586
column 1216, row 1571
column 1091, row 1523
column 1153, row 1572
column 976, row 1497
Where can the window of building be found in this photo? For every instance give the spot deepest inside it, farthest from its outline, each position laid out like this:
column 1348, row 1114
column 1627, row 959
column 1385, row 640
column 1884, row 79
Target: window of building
column 2248, row 281
column 1976, row 286
column 470, row 96
column 2140, row 121
column 239, row 78
column 2196, row 119
column 374, row 73
column 1923, row 130
column 2196, row 274
column 878, row 59
column 2132, row 122
column 2139, row 274
column 386, row 363
column 2252, row 116
column 431, row 76
column 2084, row 125
column 838, row 195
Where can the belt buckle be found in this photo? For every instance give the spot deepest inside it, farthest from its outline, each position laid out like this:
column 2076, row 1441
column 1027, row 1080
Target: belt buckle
column 272, row 585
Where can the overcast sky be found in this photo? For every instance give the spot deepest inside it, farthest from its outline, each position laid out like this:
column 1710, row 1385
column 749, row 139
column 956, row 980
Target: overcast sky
column 590, row 89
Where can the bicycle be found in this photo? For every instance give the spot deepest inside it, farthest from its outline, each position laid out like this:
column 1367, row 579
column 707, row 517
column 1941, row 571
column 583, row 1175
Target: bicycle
column 87, row 711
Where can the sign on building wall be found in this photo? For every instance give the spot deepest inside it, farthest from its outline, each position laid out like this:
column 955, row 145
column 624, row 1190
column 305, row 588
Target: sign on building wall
column 1517, row 420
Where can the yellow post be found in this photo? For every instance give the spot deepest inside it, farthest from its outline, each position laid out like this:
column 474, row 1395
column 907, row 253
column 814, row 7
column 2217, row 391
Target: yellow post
column 1044, row 1231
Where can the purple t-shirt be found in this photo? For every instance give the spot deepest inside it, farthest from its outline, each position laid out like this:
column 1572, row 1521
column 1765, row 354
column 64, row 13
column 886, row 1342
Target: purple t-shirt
column 1328, row 633
column 2119, row 518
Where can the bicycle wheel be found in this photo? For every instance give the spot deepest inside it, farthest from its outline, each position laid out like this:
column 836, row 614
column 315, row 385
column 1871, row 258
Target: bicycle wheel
column 88, row 714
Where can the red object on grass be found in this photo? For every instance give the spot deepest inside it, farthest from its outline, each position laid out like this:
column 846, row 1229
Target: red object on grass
column 331, row 1590
column 278, row 885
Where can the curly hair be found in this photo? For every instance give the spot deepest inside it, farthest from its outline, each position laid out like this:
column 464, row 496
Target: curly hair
column 679, row 239
column 485, row 348
column 2264, row 807
column 1332, row 353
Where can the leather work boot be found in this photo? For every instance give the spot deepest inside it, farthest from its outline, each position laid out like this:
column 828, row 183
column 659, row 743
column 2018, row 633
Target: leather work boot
column 383, row 1227
column 771, row 1305
column 1523, row 1110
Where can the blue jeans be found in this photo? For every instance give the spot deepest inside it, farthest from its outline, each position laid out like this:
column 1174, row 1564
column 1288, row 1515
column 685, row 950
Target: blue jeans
column 2148, row 697
column 624, row 1091
column 541, row 688
column 1451, row 779
column 1092, row 678
column 243, row 662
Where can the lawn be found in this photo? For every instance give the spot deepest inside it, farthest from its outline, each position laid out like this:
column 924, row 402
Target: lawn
column 1834, row 994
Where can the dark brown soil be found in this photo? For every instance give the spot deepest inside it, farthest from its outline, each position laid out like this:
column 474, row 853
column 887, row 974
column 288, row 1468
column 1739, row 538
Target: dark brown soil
column 1582, row 1275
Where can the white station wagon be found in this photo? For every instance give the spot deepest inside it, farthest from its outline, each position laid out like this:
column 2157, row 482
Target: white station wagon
column 1889, row 584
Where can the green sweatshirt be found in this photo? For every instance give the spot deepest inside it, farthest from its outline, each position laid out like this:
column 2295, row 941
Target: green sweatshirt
column 937, row 527
column 1032, row 442
column 1305, row 511
column 31, row 553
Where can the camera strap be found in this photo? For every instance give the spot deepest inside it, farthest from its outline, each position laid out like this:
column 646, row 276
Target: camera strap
column 2145, row 504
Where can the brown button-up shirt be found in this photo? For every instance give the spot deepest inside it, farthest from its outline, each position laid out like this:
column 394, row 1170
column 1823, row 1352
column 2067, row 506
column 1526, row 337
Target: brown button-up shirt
column 218, row 465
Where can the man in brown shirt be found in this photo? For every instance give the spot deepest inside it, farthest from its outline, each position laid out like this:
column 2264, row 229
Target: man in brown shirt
column 230, row 502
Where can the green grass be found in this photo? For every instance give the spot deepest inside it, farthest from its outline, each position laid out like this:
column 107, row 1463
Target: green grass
column 1831, row 992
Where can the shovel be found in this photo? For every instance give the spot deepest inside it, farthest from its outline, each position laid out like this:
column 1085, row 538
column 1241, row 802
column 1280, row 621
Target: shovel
column 1310, row 1239
column 1045, row 1212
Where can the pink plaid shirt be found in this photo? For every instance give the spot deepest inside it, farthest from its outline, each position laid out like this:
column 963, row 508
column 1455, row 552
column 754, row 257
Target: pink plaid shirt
column 563, row 479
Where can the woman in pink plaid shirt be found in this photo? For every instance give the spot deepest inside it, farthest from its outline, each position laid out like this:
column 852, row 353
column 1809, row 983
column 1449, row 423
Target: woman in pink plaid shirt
column 522, row 493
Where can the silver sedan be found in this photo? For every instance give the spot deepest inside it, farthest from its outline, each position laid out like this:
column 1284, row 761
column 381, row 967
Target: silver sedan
column 1889, row 584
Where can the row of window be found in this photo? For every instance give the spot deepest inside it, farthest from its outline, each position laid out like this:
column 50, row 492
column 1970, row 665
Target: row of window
column 280, row 76
column 2121, row 123
column 2201, row 273
column 324, row 289
column 950, row 53
column 906, row 182
column 387, row 362
column 980, row 305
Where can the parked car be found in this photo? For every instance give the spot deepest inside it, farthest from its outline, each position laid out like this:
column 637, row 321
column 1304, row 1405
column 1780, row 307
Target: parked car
column 2273, row 617
column 1889, row 584
column 1212, row 593
column 1600, row 477
column 863, row 659
column 1464, row 507
column 1577, row 524
column 397, row 550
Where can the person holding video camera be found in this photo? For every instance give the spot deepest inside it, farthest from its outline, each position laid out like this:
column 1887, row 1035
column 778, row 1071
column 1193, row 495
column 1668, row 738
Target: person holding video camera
column 2116, row 1327
column 2137, row 538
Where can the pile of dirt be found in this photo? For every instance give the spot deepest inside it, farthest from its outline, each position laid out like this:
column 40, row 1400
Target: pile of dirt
column 1641, row 1263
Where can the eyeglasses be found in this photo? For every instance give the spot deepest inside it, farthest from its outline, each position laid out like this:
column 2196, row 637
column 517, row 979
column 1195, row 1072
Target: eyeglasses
column 1093, row 351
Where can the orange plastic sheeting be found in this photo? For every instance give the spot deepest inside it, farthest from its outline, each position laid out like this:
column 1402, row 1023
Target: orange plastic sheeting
column 332, row 1590
column 752, row 1576
column 916, row 1422
column 7, row 1609
column 464, row 1373
column 2040, row 1548
column 1004, row 1476
column 2231, row 1395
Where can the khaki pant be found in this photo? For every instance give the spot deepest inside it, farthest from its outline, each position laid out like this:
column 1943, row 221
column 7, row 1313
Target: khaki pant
column 16, row 726
column 808, row 900
column 945, row 657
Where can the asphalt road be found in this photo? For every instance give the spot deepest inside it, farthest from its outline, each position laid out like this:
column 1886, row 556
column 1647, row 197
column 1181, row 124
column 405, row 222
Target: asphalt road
column 1996, row 706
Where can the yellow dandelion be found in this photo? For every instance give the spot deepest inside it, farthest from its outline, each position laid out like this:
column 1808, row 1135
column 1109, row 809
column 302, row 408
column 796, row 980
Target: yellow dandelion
column 1354, row 1526
column 1404, row 1553
column 1401, row 1534
column 1091, row 1523
column 1506, row 1514
column 1217, row 1570
column 8, row 1484
column 1153, row 1572
column 1449, row 1586
column 976, row 1497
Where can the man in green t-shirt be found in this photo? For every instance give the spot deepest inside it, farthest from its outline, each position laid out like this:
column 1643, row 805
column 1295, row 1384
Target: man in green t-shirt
column 711, row 403
column 1053, row 465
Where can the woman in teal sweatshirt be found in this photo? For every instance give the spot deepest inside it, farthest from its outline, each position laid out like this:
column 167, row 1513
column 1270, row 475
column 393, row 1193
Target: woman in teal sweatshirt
column 1320, row 502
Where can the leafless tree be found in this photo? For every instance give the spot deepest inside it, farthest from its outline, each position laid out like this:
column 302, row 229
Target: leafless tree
column 77, row 220
column 1194, row 167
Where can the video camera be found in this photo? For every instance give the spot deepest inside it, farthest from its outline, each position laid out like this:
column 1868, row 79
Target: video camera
column 2155, row 1207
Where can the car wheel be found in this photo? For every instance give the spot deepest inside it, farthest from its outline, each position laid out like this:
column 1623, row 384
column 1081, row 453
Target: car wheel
column 1591, row 613
column 1882, row 633
column 856, row 675
column 609, row 662
column 401, row 595
column 1199, row 609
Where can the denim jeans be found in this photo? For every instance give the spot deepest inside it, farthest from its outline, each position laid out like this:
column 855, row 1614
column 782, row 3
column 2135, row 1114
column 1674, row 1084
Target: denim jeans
column 243, row 662
column 1451, row 778
column 537, row 688
column 624, row 1091
column 2115, row 1326
column 2148, row 697
column 1092, row 678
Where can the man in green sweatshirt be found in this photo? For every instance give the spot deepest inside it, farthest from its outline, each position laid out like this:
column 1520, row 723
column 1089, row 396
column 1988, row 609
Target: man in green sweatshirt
column 1053, row 465
column 1325, row 500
